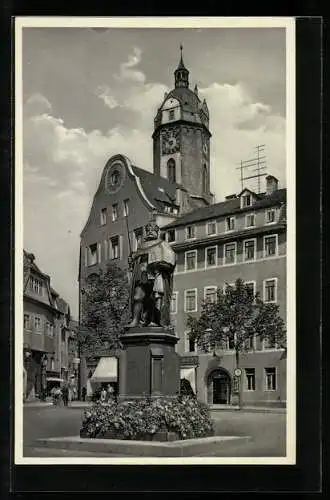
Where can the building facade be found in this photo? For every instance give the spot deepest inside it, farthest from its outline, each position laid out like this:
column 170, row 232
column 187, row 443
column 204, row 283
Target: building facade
column 215, row 243
column 45, row 331
column 242, row 237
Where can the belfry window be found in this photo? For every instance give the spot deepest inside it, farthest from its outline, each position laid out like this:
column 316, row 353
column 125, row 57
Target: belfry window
column 171, row 175
column 204, row 179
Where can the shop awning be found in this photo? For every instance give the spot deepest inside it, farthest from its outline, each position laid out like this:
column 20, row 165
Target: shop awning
column 189, row 374
column 54, row 379
column 106, row 370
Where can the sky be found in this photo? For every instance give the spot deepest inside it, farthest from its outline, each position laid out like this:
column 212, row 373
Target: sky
column 91, row 93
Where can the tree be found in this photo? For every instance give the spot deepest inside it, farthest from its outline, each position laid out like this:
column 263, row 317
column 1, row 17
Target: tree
column 234, row 319
column 105, row 305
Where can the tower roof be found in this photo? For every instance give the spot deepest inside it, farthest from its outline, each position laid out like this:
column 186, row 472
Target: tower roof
column 181, row 63
column 181, row 74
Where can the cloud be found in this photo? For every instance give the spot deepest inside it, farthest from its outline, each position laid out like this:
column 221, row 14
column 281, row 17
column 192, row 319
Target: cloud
column 127, row 73
column 238, row 124
column 37, row 104
column 104, row 92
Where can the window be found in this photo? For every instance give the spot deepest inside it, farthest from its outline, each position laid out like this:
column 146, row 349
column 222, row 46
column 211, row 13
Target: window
column 211, row 228
column 92, row 254
column 52, row 364
column 126, row 208
column 191, row 260
column 114, row 212
column 250, row 220
column 114, row 247
column 171, row 174
column 174, row 303
column 49, row 329
column 190, row 232
column 270, row 290
column 171, row 235
column 37, row 323
column 190, row 345
column 138, row 237
column 270, row 245
column 27, row 321
column 211, row 257
column 230, row 253
column 270, row 379
column 246, row 200
column 249, row 250
column 210, row 294
column 204, row 180
column 230, row 223
column 250, row 343
column 270, row 216
column 171, row 114
column 251, row 286
column 250, row 379
column 35, row 285
column 190, row 300
column 103, row 216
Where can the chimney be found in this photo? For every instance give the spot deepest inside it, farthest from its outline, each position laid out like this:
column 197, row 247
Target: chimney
column 271, row 184
column 196, row 89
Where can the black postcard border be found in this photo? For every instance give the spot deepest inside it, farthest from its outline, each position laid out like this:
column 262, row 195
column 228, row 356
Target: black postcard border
column 303, row 477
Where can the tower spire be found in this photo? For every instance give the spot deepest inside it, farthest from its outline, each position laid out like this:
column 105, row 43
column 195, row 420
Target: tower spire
column 181, row 74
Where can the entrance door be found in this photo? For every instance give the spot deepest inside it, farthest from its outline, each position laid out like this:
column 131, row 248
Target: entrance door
column 219, row 388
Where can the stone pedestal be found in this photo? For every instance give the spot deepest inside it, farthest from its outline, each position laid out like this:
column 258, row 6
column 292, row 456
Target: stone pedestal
column 148, row 364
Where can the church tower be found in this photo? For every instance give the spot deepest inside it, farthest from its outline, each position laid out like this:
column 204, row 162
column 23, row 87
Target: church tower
column 181, row 139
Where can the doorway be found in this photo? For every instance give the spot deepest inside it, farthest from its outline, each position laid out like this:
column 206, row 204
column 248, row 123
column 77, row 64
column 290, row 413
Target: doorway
column 219, row 386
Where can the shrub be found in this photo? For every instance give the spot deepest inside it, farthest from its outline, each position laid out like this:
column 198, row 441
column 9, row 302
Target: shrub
column 143, row 418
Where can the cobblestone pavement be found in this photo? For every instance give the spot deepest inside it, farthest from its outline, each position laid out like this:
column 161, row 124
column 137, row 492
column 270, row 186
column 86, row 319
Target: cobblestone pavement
column 266, row 429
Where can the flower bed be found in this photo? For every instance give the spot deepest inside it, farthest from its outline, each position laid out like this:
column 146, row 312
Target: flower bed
column 147, row 419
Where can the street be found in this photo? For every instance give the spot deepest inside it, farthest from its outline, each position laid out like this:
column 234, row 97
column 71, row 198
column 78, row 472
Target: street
column 266, row 429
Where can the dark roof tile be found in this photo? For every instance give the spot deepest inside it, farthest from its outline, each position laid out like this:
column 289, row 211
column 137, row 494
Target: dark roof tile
column 228, row 207
column 151, row 184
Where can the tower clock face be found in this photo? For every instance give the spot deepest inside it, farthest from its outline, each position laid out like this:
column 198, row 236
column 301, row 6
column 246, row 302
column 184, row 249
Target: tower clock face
column 115, row 177
column 170, row 141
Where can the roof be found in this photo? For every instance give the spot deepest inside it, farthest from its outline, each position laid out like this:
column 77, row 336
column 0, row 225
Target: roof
column 31, row 259
column 188, row 99
column 228, row 207
column 151, row 184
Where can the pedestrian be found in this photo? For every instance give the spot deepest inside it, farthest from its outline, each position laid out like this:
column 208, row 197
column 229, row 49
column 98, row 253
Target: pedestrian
column 103, row 395
column 110, row 392
column 65, row 394
column 83, row 393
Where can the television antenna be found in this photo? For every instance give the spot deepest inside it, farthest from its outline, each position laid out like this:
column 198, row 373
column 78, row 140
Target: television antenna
column 259, row 161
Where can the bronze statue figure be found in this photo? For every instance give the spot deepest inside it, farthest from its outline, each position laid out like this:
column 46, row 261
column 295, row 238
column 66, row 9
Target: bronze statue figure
column 152, row 267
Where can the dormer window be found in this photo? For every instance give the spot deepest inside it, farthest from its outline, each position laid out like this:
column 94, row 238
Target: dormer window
column 246, row 200
column 171, row 114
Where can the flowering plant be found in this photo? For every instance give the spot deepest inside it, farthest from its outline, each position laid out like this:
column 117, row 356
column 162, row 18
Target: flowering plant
column 143, row 418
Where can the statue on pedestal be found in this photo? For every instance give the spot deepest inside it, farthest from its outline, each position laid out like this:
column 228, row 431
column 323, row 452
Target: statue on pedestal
column 152, row 267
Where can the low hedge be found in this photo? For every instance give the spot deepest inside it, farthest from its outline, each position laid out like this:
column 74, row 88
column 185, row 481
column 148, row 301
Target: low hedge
column 143, row 418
